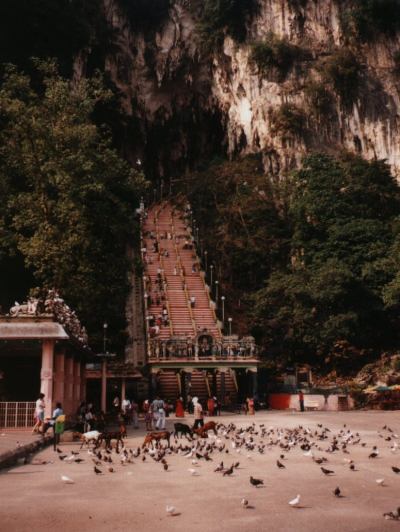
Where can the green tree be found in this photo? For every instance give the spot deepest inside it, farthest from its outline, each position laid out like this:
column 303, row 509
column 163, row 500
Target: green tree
column 343, row 216
column 69, row 199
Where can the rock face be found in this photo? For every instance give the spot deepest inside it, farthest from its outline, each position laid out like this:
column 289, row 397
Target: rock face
column 190, row 106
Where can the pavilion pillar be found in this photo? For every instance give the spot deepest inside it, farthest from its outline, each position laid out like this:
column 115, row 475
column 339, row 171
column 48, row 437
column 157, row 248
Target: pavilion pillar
column 104, row 385
column 69, row 385
column 253, row 382
column 46, row 374
column 83, row 382
column 59, row 377
column 123, row 389
column 76, row 384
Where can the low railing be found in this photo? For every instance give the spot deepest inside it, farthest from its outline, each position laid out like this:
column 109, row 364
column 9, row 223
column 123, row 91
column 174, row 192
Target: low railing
column 185, row 357
column 17, row 414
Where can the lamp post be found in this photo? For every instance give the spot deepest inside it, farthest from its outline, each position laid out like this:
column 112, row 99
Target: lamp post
column 155, row 194
column 223, row 310
column 216, row 294
column 161, row 188
column 211, row 273
column 205, row 259
column 105, row 326
column 197, row 235
column 104, row 370
column 230, row 326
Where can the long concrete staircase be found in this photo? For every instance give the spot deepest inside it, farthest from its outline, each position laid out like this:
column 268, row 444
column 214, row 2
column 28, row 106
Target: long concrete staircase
column 176, row 259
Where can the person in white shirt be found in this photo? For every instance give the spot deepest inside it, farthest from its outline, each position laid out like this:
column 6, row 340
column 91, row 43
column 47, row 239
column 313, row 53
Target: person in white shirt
column 39, row 414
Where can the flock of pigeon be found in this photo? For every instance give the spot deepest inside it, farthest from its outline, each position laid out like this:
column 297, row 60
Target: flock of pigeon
column 234, row 444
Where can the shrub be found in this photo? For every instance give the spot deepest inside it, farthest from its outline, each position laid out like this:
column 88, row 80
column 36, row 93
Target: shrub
column 288, row 120
column 343, row 71
column 319, row 99
column 218, row 18
column 274, row 57
column 368, row 18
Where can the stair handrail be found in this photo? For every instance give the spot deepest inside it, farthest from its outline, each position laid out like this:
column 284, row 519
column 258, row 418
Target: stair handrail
column 164, row 279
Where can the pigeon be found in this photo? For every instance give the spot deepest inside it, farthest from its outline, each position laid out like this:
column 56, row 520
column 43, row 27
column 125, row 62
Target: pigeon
column 295, row 502
column 256, row 482
column 165, row 467
column 228, row 471
column 395, row 469
column 280, row 465
column 111, row 469
column 374, row 454
column 244, row 503
column 66, row 479
column 59, row 450
column 171, row 510
column 392, row 515
column 336, row 492
column 62, row 457
column 97, row 471
column 380, row 481
column 327, row 471
column 79, row 460
column 193, row 472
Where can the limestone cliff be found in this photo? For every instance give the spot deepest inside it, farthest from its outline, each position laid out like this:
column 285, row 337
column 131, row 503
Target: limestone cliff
column 191, row 105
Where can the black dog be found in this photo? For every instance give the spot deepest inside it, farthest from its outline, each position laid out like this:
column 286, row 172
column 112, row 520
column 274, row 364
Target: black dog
column 183, row 429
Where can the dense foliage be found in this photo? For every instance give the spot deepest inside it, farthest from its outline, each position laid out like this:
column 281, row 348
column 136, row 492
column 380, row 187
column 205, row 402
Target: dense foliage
column 366, row 19
column 274, row 57
column 68, row 200
column 218, row 18
column 342, row 72
column 288, row 119
column 322, row 270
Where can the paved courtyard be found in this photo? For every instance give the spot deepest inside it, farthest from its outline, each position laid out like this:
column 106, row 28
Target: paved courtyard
column 135, row 495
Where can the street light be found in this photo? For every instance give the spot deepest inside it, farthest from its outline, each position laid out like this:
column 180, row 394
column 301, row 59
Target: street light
column 216, row 294
column 205, row 259
column 230, row 326
column 211, row 273
column 105, row 326
column 223, row 310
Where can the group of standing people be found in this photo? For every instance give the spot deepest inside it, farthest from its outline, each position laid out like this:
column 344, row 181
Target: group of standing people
column 56, row 422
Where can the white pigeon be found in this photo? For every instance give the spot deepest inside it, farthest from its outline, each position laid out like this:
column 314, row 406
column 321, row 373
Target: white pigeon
column 194, row 462
column 380, row 481
column 171, row 510
column 193, row 472
column 69, row 458
column 66, row 479
column 295, row 502
column 308, row 453
column 244, row 503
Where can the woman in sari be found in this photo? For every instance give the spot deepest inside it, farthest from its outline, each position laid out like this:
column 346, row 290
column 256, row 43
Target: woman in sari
column 179, row 410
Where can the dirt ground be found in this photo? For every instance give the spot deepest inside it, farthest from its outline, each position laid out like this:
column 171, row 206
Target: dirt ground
column 134, row 496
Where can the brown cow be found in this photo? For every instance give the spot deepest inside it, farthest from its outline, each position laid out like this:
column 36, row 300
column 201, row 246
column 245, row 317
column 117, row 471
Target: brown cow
column 202, row 431
column 156, row 436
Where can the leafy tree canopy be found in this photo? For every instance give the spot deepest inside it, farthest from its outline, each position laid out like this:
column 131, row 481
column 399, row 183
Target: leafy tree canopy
column 343, row 216
column 68, row 198
column 314, row 259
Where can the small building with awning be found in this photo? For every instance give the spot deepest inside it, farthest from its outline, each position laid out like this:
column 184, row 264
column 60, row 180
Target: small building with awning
column 39, row 354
